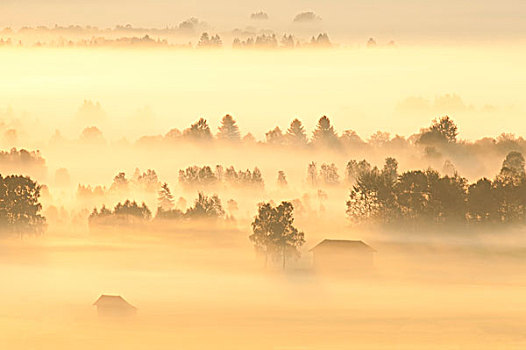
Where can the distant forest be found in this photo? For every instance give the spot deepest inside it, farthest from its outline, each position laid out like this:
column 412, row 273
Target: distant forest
column 377, row 195
column 191, row 33
column 437, row 140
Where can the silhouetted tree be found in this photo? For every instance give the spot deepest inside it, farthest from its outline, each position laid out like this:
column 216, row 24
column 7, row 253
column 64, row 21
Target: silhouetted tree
column 243, row 178
column 324, row 134
column 206, row 208
column 196, row 176
column 275, row 136
column 274, row 233
column 329, row 174
column 148, row 181
column 322, row 40
column 20, row 206
column 124, row 213
column 355, row 169
column 120, row 183
column 132, row 209
column 442, row 130
column 207, row 41
column 228, row 130
column 513, row 165
column 296, row 133
column 446, row 127
column 510, row 189
column 390, row 169
column 199, row 131
column 482, row 204
column 165, row 199
column 373, row 195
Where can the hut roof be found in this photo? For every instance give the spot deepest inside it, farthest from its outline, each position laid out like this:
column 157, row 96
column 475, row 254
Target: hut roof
column 112, row 301
column 343, row 244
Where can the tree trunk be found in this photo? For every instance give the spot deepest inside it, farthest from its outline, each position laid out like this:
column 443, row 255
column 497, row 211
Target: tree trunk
column 284, row 258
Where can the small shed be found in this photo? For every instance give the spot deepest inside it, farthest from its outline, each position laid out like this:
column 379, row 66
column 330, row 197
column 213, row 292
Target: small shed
column 343, row 255
column 114, row 305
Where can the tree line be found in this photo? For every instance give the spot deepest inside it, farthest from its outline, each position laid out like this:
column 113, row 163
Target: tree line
column 441, row 137
column 130, row 212
column 273, row 232
column 426, row 197
column 196, row 176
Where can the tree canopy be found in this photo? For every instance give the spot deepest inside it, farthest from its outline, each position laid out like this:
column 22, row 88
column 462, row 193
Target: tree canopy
column 274, row 233
column 19, row 205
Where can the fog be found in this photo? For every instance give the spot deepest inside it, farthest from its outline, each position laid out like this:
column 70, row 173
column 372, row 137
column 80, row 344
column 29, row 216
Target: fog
column 98, row 127
column 401, row 20
column 388, row 89
column 194, row 293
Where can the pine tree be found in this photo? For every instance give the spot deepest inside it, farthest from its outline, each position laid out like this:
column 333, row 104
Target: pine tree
column 165, row 199
column 296, row 133
column 228, row 130
column 324, row 134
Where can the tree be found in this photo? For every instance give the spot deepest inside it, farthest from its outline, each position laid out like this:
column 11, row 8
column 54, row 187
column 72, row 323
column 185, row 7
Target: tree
column 296, row 133
column 312, row 174
column 209, row 41
column 448, row 197
column 443, row 130
column 228, row 130
column 391, row 169
column 372, row 198
column 509, row 188
column 412, row 194
column 257, row 177
column 120, row 183
column 275, row 136
column 513, row 165
column 363, row 205
column 282, row 179
column 274, row 233
column 324, row 134
column 482, row 204
column 195, row 176
column 148, row 180
column 446, row 127
column 132, row 209
column 379, row 139
column 20, row 206
column 124, row 213
column 424, row 195
column 329, row 174
column 165, row 199
column 206, row 207
column 199, row 131
column 355, row 169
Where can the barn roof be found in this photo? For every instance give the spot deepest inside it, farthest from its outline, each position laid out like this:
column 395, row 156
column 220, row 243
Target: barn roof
column 343, row 244
column 112, row 301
